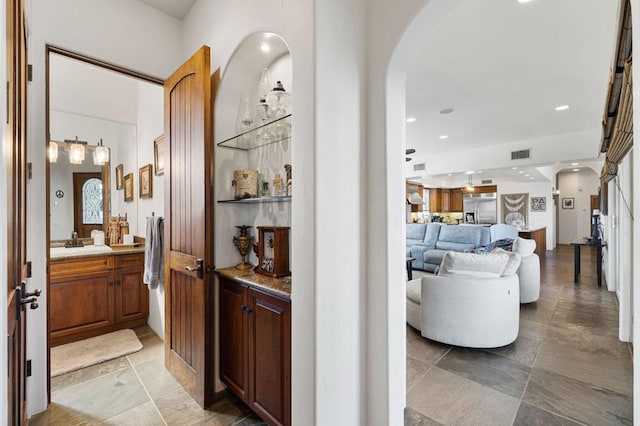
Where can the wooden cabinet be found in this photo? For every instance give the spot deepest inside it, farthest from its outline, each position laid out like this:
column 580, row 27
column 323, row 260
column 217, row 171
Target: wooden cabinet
column 255, row 349
column 446, row 200
column 435, row 200
column 90, row 296
column 456, row 200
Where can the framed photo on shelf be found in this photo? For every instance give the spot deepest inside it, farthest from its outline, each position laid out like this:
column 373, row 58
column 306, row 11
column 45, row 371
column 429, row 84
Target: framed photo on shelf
column 119, row 176
column 128, row 187
column 146, row 181
column 567, row 203
column 469, row 217
column 158, row 155
column 273, row 251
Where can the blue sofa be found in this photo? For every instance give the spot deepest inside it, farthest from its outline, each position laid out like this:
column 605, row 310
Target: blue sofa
column 427, row 242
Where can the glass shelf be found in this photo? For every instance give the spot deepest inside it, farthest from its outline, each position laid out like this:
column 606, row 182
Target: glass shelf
column 274, row 199
column 272, row 132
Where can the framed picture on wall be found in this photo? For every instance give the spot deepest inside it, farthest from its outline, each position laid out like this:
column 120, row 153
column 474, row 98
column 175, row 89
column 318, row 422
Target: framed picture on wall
column 119, row 176
column 128, row 187
column 158, row 155
column 146, row 181
column 567, row 203
column 538, row 204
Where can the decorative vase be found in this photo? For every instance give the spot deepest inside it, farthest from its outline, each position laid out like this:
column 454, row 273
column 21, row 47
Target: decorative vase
column 243, row 244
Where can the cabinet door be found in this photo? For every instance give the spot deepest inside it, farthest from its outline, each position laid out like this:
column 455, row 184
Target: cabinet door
column 80, row 303
column 446, row 200
column 270, row 357
column 132, row 296
column 233, row 336
column 435, row 200
column 456, row 200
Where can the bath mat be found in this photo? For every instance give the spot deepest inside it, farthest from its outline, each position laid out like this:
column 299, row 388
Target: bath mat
column 76, row 355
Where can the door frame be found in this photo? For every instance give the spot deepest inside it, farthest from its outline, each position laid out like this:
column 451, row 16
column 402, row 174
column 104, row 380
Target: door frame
column 49, row 50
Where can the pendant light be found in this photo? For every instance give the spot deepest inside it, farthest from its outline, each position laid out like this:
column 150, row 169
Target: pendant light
column 100, row 155
column 469, row 186
column 53, row 152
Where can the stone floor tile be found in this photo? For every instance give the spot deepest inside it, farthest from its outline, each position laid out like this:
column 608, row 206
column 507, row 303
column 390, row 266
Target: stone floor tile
column 422, row 349
column 497, row 372
column 577, row 400
column 153, row 347
column 58, row 414
column 589, row 339
column 415, row 418
column 451, row 399
column 524, row 350
column 88, row 373
column 415, row 370
column 143, row 415
column 156, row 378
column 528, row 415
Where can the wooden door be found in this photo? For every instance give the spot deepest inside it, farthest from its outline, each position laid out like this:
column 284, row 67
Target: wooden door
column 188, row 240
column 84, row 229
column 233, row 337
column 269, row 321
column 15, row 160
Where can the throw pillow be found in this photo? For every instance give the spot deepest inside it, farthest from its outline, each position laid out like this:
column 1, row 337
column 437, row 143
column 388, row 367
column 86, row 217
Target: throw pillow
column 513, row 264
column 473, row 265
column 524, row 247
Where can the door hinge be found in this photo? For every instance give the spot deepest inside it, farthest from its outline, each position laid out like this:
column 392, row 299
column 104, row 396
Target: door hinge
column 28, row 269
column 30, row 72
column 29, row 170
column 28, row 368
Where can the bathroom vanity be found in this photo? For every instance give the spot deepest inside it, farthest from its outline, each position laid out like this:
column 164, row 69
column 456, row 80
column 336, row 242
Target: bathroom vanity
column 95, row 291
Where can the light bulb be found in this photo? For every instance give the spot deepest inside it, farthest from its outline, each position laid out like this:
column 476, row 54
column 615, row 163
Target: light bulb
column 53, row 152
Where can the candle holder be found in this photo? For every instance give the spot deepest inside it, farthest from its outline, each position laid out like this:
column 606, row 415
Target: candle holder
column 243, row 244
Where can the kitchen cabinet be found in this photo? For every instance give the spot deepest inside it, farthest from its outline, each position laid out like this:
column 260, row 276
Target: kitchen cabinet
column 435, row 200
column 93, row 295
column 255, row 349
column 456, row 200
column 539, row 235
column 446, row 200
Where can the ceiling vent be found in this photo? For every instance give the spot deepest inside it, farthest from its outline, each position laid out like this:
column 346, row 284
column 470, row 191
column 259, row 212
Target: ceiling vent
column 487, row 182
column 521, row 155
column 418, row 167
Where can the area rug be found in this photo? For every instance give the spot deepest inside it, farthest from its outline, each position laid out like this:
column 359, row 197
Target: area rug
column 76, row 355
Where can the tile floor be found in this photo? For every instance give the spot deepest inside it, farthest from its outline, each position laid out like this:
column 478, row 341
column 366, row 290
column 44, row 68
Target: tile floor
column 134, row 390
column 567, row 366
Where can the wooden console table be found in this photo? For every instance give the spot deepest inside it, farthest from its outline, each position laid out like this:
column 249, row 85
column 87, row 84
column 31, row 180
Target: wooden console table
column 579, row 242
column 539, row 235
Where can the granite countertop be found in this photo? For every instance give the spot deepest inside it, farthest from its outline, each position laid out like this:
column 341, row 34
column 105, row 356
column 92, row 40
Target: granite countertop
column 531, row 229
column 277, row 286
column 61, row 253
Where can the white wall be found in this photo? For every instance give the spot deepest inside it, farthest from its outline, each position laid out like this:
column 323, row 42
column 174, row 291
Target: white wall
column 576, row 223
column 150, row 125
column 147, row 41
column 4, row 141
column 293, row 20
column 635, row 288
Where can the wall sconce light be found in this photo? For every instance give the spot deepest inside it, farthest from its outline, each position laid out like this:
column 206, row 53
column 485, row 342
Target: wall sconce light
column 100, row 155
column 53, row 152
column 76, row 153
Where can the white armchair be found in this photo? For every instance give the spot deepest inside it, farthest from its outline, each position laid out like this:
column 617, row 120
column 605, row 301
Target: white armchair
column 529, row 270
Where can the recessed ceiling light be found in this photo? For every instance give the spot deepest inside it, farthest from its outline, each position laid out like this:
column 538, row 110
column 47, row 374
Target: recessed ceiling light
column 479, row 171
column 521, row 171
column 574, row 164
column 448, row 174
column 445, row 111
column 265, row 47
column 444, row 136
column 514, row 168
column 527, row 175
column 530, row 178
column 576, row 170
column 562, row 108
column 411, row 120
column 524, row 1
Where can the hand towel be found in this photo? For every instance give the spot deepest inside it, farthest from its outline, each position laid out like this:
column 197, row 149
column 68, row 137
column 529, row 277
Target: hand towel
column 154, row 253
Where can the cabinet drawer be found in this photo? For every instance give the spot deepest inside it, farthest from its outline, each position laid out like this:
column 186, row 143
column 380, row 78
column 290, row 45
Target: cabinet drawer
column 84, row 265
column 129, row 260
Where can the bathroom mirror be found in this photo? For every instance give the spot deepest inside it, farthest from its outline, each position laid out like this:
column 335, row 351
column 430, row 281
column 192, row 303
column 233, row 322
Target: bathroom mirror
column 99, row 105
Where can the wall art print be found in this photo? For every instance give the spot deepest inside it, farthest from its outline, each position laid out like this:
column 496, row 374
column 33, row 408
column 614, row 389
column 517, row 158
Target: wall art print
column 538, row 204
column 515, row 209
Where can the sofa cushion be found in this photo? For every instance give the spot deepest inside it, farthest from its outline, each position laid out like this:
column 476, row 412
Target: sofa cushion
column 474, row 265
column 431, row 236
column 415, row 231
column 524, row 247
column 446, row 245
column 460, row 234
column 434, row 256
column 514, row 261
column 411, row 243
column 485, row 235
column 414, row 288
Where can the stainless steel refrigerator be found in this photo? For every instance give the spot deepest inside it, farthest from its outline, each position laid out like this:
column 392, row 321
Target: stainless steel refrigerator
column 480, row 208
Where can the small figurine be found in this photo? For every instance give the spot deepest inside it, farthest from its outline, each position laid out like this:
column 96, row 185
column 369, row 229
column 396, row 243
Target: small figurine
column 277, row 185
column 287, row 167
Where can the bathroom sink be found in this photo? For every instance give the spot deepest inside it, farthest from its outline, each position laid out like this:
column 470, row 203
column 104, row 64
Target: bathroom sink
column 78, row 251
